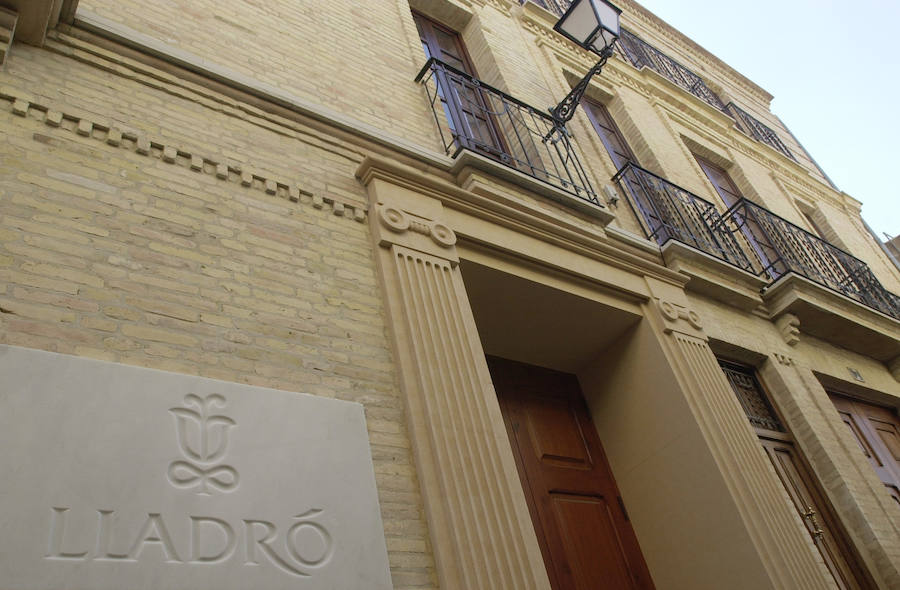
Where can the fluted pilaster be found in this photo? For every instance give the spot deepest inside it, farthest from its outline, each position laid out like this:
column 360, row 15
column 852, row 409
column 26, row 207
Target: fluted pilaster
column 480, row 526
column 780, row 541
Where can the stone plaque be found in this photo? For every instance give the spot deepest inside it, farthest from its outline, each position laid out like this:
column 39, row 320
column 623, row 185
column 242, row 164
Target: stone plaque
column 115, row 477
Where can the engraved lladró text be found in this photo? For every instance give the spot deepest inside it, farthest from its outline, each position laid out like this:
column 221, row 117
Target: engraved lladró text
column 298, row 547
column 203, row 439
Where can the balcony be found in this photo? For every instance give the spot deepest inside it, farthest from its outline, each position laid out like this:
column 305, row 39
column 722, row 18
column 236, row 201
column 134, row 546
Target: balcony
column 757, row 129
column 641, row 54
column 472, row 115
column 781, row 248
column 751, row 239
column 835, row 295
column 692, row 238
column 557, row 7
column 670, row 212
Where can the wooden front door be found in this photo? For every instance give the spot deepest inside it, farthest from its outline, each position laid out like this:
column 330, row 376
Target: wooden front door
column 816, row 514
column 579, row 517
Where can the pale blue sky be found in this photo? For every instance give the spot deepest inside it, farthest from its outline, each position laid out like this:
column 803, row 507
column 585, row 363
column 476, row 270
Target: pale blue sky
column 834, row 70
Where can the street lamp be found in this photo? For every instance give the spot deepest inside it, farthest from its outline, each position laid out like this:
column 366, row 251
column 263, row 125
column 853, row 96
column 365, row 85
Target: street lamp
column 594, row 25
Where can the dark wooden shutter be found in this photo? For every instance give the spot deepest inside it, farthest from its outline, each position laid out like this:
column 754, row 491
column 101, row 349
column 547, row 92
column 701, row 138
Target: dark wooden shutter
column 443, row 43
column 465, row 105
column 610, row 135
column 877, row 431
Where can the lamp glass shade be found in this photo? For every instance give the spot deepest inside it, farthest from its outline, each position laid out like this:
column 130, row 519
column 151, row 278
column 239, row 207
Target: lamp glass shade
column 592, row 24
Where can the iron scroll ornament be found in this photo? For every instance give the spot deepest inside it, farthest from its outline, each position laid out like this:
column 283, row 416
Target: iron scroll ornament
column 563, row 112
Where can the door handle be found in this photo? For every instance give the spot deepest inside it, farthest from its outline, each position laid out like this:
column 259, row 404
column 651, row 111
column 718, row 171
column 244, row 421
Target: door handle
column 810, row 515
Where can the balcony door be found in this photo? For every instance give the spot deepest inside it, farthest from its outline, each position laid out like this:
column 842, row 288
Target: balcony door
column 580, row 520
column 466, row 107
column 753, row 234
column 619, row 151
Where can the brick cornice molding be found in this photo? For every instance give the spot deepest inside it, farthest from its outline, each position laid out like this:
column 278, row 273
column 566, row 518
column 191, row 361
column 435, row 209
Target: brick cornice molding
column 114, row 137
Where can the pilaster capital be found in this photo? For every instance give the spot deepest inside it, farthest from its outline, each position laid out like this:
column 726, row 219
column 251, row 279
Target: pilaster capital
column 678, row 317
column 393, row 225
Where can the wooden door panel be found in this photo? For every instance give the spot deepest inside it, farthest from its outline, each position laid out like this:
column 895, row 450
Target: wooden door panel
column 877, row 430
column 585, row 536
column 556, row 434
column 590, row 542
column 812, row 510
column 860, row 439
column 466, row 105
column 888, row 434
column 797, row 478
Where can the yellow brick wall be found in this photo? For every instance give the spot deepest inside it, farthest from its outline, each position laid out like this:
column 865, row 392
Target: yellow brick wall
column 149, row 220
column 146, row 223
column 356, row 58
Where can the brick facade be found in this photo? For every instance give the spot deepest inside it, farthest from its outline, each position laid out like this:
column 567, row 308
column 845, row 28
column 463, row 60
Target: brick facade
column 199, row 198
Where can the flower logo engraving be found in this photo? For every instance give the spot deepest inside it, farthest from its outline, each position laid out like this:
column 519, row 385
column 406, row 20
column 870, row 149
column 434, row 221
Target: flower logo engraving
column 203, row 439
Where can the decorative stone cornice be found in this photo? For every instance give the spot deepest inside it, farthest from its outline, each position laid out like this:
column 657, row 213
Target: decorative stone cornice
column 507, row 209
column 639, row 15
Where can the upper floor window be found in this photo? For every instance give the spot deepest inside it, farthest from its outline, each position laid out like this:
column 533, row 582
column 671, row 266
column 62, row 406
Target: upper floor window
column 443, row 43
column 721, row 181
column 609, row 133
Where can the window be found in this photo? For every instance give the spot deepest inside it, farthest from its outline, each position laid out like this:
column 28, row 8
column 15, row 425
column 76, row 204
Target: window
column 464, row 105
column 609, row 134
column 813, row 226
column 730, row 194
column 720, row 181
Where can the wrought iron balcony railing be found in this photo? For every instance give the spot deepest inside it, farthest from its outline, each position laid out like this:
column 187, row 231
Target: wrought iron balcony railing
column 640, row 54
column 670, row 212
column 475, row 116
column 557, row 7
column 757, row 129
column 782, row 247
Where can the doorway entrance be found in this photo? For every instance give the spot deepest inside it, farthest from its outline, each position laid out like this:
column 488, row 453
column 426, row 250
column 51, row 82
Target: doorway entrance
column 579, row 517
